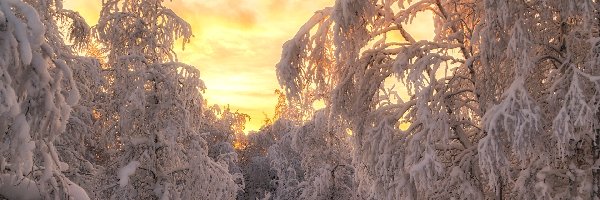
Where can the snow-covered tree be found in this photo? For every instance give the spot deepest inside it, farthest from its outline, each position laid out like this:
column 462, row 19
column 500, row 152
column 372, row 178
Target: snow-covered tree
column 502, row 102
column 37, row 92
column 156, row 107
column 325, row 159
column 293, row 157
column 285, row 160
column 222, row 129
column 259, row 175
column 67, row 32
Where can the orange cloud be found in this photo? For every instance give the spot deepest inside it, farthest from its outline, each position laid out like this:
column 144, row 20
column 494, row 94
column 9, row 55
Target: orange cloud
column 207, row 13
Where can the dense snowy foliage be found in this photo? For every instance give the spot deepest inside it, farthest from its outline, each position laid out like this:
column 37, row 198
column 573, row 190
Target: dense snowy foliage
column 129, row 126
column 502, row 103
column 152, row 119
column 37, row 93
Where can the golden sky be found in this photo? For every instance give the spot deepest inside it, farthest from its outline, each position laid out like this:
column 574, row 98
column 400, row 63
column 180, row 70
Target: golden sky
column 236, row 45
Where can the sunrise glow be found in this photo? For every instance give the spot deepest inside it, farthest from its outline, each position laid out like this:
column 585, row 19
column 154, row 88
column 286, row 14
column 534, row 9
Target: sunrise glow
column 236, row 45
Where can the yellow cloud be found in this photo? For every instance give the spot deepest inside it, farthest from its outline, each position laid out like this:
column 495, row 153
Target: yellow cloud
column 236, row 46
column 89, row 10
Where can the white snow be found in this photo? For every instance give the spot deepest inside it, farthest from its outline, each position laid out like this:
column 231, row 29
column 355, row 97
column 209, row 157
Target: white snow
column 127, row 171
column 23, row 188
column 76, row 192
column 25, row 150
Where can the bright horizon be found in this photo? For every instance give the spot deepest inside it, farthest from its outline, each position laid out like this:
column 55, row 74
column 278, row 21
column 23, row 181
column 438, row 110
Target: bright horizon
column 236, row 46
